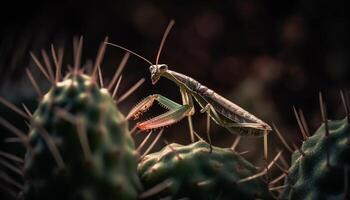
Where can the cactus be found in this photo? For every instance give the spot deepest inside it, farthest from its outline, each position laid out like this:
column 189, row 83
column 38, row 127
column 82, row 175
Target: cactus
column 95, row 158
column 319, row 168
column 79, row 146
column 197, row 171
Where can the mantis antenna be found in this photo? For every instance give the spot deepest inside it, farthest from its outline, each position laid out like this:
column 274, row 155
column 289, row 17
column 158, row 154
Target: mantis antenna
column 166, row 33
column 128, row 50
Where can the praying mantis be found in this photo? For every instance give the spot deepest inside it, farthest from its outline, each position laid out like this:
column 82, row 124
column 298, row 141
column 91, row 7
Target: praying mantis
column 222, row 111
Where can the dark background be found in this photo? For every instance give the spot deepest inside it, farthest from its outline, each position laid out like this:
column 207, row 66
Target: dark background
column 266, row 56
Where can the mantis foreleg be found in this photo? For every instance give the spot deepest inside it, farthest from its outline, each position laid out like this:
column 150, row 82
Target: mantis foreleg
column 176, row 112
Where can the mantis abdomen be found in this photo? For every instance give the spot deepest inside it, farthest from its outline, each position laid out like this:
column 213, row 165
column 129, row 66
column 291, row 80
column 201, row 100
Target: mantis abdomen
column 219, row 103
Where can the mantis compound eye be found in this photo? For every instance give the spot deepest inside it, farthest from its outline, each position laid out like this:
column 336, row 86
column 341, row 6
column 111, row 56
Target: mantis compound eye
column 153, row 69
column 163, row 67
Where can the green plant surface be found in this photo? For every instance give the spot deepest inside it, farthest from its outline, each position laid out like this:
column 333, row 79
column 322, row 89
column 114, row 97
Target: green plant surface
column 95, row 155
column 318, row 169
column 195, row 172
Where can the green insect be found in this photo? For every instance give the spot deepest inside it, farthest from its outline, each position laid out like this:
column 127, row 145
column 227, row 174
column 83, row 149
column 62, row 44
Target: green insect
column 222, row 111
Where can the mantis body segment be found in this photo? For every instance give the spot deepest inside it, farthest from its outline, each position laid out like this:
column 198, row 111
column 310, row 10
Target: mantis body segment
column 222, row 111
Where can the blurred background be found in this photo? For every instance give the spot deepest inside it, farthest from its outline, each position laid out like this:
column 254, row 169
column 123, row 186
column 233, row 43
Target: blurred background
column 265, row 56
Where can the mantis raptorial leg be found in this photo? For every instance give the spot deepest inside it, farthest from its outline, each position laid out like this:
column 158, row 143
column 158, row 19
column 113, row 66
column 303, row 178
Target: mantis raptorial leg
column 221, row 110
column 176, row 112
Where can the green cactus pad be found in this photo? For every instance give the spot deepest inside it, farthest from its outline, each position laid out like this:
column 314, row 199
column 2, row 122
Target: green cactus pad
column 196, row 173
column 107, row 172
column 310, row 175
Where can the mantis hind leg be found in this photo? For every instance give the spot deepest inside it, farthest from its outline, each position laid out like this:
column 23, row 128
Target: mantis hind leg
column 242, row 129
column 187, row 100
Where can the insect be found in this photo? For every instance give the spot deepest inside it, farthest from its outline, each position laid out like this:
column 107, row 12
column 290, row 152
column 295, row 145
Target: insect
column 222, row 111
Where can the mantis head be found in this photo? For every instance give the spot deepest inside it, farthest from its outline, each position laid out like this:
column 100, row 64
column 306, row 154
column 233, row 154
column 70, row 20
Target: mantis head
column 157, row 71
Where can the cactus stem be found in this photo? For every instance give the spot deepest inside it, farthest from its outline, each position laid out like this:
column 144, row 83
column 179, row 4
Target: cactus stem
column 51, row 144
column 304, row 123
column 116, row 87
column 144, row 142
column 48, row 65
column 11, row 157
column 152, row 144
column 23, row 137
column 156, row 189
column 77, row 49
column 345, row 100
column 173, row 150
column 13, row 107
column 283, row 140
column 277, row 179
column 10, row 180
column 34, row 83
column 302, row 128
column 41, row 68
column 262, row 173
column 235, row 143
column 99, row 58
column 119, row 70
column 11, row 167
column 131, row 90
column 324, row 114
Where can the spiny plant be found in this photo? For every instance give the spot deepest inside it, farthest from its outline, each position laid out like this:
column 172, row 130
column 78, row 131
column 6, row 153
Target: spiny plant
column 319, row 168
column 201, row 171
column 79, row 145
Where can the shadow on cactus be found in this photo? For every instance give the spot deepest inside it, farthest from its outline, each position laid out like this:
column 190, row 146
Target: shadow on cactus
column 79, row 145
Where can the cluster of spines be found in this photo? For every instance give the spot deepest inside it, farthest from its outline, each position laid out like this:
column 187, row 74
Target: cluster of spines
column 54, row 76
column 286, row 188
